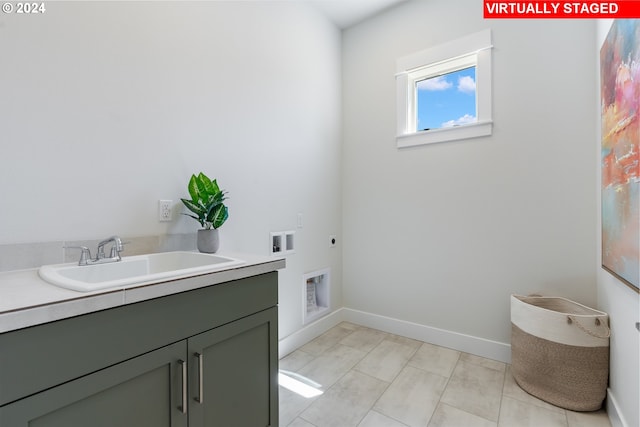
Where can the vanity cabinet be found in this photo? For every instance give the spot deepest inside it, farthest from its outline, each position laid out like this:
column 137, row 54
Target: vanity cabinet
column 201, row 358
column 138, row 392
column 235, row 384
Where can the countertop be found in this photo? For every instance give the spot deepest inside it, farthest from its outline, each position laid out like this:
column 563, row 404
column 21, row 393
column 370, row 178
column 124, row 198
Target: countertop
column 27, row 300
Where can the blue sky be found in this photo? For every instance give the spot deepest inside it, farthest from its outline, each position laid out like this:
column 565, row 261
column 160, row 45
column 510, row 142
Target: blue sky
column 447, row 100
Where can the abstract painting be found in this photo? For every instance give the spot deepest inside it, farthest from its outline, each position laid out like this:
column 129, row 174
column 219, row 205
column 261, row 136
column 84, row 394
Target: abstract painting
column 620, row 104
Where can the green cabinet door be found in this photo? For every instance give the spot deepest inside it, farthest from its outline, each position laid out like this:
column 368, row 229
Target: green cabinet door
column 233, row 374
column 146, row 391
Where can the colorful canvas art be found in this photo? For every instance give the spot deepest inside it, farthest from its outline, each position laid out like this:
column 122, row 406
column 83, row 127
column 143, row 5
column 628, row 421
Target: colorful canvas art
column 620, row 103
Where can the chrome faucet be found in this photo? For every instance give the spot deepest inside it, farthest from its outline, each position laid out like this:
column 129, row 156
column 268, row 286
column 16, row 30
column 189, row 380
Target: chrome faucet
column 114, row 256
column 115, row 249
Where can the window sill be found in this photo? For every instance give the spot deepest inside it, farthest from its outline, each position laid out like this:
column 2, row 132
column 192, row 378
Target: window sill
column 472, row 130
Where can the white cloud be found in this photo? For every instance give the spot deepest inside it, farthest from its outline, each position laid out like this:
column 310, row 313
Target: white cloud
column 466, row 84
column 466, row 119
column 436, row 83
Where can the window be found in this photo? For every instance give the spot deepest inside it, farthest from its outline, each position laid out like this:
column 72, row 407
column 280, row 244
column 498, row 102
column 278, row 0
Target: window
column 446, row 100
column 444, row 93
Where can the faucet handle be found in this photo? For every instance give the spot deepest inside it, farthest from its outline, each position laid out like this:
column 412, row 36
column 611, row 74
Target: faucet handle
column 85, row 255
column 117, row 247
column 117, row 244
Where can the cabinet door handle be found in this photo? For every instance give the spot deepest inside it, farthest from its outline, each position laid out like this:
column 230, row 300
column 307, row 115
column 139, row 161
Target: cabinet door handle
column 200, row 398
column 183, row 365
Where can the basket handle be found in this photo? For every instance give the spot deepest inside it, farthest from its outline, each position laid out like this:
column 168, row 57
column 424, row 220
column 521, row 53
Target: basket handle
column 571, row 319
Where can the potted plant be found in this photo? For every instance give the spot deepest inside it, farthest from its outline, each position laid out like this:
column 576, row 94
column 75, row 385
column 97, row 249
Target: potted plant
column 207, row 203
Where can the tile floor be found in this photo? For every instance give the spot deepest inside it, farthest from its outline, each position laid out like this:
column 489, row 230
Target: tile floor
column 371, row 378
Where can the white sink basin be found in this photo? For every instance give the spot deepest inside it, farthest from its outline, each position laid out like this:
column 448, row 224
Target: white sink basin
column 134, row 270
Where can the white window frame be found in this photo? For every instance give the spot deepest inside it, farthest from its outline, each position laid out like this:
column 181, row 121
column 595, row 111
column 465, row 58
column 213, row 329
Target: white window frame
column 472, row 50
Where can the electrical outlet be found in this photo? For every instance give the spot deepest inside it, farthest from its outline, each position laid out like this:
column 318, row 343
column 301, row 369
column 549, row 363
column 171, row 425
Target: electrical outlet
column 165, row 213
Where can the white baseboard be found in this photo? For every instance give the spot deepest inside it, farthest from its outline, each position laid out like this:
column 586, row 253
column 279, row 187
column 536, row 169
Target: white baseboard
column 615, row 416
column 461, row 342
column 313, row 330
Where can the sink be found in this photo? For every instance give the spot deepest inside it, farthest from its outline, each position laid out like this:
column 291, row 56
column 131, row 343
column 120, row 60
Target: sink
column 134, row 270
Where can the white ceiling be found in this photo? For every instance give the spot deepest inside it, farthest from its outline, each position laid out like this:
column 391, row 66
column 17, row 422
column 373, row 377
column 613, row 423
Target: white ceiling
column 345, row 13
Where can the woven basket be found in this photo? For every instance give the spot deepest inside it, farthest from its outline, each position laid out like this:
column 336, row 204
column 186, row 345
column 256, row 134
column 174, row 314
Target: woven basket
column 560, row 351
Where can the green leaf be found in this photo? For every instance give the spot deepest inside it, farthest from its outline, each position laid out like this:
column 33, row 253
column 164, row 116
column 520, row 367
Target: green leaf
column 202, row 186
column 221, row 213
column 193, row 188
column 217, row 198
column 194, row 207
column 205, row 186
column 214, row 189
column 211, row 210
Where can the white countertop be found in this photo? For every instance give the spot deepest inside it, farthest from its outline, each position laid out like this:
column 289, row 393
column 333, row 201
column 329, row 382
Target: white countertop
column 27, row 300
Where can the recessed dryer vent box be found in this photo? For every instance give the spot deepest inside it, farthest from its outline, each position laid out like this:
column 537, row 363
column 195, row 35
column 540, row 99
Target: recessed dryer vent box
column 316, row 295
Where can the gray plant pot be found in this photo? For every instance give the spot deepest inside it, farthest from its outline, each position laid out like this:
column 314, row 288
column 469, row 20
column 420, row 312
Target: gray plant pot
column 208, row 241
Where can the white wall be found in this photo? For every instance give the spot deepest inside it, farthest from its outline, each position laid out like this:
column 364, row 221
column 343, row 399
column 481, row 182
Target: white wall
column 441, row 235
column 108, row 107
column 622, row 304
